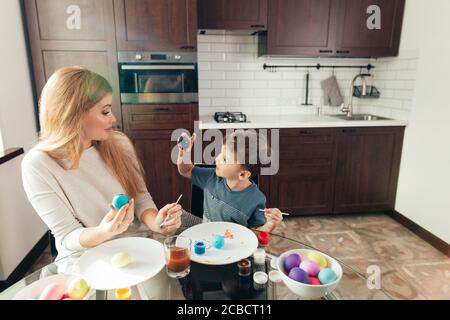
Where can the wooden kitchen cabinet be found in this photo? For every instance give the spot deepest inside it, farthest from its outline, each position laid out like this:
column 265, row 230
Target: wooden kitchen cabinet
column 300, row 27
column 367, row 168
column 156, row 25
column 332, row 28
column 73, row 32
column 232, row 14
column 355, row 39
column 163, row 181
column 150, row 128
column 305, row 182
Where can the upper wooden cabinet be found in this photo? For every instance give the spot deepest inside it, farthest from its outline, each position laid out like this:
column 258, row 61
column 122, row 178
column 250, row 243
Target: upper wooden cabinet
column 156, row 25
column 360, row 36
column 301, row 27
column 73, row 32
column 337, row 28
column 232, row 14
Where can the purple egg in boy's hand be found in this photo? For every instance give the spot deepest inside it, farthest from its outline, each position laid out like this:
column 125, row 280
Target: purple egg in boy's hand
column 184, row 141
column 291, row 261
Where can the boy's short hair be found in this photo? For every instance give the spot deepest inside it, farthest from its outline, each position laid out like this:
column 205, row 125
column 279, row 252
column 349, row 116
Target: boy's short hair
column 248, row 146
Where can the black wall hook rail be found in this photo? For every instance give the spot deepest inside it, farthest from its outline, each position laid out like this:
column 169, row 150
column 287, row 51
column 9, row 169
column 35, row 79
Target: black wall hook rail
column 318, row 67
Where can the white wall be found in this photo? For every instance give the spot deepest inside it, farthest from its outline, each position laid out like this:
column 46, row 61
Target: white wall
column 424, row 191
column 232, row 78
column 20, row 226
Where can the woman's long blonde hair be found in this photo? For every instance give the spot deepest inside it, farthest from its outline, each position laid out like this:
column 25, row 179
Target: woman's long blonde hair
column 68, row 95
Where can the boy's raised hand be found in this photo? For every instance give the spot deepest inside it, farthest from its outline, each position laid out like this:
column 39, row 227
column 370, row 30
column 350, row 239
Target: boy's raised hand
column 187, row 140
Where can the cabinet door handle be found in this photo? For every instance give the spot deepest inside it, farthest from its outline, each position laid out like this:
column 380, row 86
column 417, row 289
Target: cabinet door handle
column 161, row 109
column 343, row 51
column 257, row 26
column 351, row 130
column 306, row 131
column 325, row 51
column 187, row 47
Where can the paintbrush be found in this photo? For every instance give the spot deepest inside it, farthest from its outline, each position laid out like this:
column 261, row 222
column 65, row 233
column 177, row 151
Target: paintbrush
column 165, row 220
column 283, row 213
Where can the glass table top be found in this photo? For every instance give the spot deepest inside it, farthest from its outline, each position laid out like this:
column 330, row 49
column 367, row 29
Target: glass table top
column 214, row 282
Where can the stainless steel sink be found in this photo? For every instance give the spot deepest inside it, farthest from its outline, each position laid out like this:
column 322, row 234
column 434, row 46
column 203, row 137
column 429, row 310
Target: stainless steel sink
column 360, row 117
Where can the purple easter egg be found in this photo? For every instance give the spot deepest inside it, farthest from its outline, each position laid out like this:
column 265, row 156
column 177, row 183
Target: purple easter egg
column 310, row 267
column 299, row 275
column 291, row 261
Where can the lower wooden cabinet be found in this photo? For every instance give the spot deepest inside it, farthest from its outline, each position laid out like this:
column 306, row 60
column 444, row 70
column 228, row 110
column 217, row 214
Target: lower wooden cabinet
column 336, row 170
column 367, row 169
column 150, row 129
column 305, row 181
column 322, row 170
column 163, row 181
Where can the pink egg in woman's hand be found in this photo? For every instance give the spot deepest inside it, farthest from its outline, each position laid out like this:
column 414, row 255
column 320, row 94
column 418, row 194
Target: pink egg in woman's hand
column 53, row 291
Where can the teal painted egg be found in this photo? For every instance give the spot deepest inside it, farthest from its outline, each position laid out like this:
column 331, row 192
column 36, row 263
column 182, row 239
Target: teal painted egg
column 218, row 241
column 119, row 201
column 327, row 276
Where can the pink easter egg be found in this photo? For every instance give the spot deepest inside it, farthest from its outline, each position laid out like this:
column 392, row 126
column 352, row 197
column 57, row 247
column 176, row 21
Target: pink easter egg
column 53, row 291
column 310, row 267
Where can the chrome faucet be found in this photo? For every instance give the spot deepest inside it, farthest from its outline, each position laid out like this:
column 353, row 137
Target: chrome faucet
column 349, row 107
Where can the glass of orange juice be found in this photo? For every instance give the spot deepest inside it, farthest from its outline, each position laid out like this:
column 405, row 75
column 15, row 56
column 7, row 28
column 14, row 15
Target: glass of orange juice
column 178, row 256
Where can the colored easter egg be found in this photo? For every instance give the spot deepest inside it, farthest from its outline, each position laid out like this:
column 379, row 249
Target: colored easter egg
column 119, row 201
column 291, row 261
column 78, row 289
column 184, row 141
column 121, row 260
column 299, row 275
column 65, row 296
column 310, row 267
column 218, row 241
column 327, row 276
column 318, row 258
column 53, row 291
column 314, row 281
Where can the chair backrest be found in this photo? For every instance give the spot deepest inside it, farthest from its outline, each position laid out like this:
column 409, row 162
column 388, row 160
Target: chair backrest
column 197, row 194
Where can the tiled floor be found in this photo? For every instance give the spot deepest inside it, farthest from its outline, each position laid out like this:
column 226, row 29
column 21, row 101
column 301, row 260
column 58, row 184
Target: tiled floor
column 411, row 268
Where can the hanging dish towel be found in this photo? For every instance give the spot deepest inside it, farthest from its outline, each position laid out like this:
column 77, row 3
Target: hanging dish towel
column 332, row 92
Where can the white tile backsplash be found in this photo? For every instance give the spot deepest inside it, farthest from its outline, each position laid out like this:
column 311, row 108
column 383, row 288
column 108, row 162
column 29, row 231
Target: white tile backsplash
column 232, row 79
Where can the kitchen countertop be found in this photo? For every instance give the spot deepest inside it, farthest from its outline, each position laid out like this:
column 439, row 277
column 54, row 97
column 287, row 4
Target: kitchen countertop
column 296, row 121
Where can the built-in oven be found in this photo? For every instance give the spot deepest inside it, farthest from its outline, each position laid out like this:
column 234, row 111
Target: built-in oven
column 158, row 77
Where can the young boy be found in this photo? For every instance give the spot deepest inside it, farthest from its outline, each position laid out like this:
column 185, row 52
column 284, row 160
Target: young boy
column 229, row 194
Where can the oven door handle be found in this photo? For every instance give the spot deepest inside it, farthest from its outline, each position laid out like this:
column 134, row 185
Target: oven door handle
column 158, row 67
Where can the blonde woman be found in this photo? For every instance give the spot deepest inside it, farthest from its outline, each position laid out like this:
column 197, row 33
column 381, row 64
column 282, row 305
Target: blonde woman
column 81, row 163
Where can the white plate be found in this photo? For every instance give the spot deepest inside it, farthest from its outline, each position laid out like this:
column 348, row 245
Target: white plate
column 34, row 290
column 242, row 246
column 147, row 260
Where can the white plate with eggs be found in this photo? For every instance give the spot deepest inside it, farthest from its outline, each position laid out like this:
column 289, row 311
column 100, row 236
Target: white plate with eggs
column 122, row 263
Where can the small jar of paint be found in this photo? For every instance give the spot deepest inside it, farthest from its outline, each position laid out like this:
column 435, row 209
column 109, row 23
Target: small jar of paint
column 264, row 238
column 200, row 248
column 259, row 256
column 244, row 267
column 123, row 294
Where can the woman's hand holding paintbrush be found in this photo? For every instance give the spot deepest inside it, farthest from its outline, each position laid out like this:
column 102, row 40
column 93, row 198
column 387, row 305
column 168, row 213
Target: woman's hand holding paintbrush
column 174, row 212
